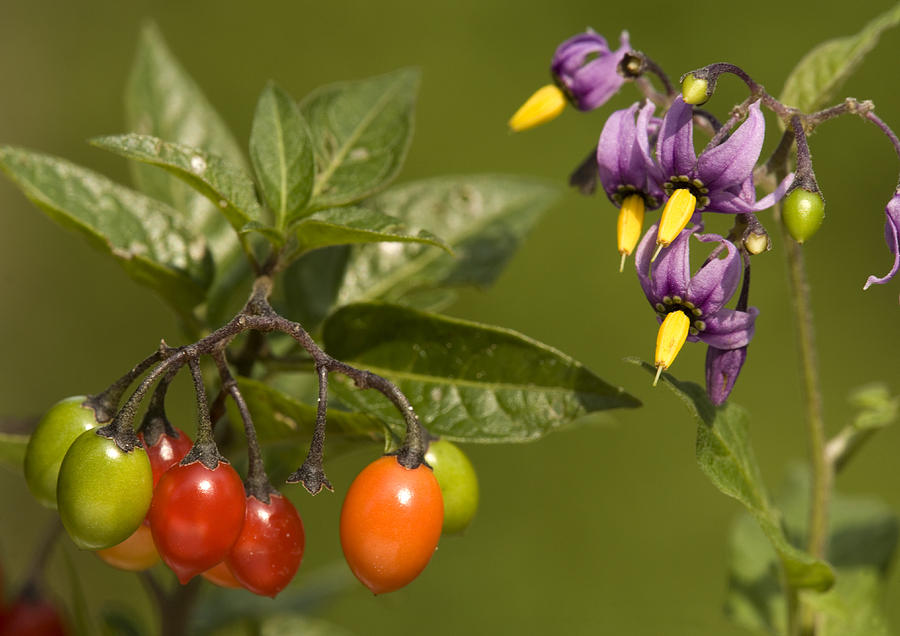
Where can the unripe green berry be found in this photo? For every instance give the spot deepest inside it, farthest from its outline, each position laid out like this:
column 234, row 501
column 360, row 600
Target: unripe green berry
column 693, row 90
column 803, row 213
column 103, row 492
column 458, row 481
column 54, row 434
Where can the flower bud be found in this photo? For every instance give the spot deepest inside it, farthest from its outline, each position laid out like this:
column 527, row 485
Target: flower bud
column 694, row 90
column 803, row 213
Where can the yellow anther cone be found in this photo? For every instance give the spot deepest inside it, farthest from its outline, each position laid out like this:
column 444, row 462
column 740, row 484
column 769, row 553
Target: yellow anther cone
column 546, row 104
column 631, row 222
column 673, row 333
column 675, row 217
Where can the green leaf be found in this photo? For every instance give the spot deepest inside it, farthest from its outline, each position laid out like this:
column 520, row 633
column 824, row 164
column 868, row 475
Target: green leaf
column 361, row 131
column 162, row 100
column 483, row 218
column 12, row 450
column 877, row 408
column 725, row 456
column 467, row 381
column 145, row 236
column 854, row 607
column 351, row 225
column 226, row 185
column 282, row 155
column 820, row 74
column 863, row 534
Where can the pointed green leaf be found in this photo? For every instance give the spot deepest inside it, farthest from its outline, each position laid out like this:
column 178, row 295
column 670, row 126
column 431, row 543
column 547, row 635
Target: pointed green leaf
column 467, row 381
column 726, row 457
column 145, row 236
column 482, row 218
column 351, row 225
column 226, row 185
column 862, row 539
column 161, row 99
column 361, row 131
column 820, row 74
column 12, row 450
column 282, row 155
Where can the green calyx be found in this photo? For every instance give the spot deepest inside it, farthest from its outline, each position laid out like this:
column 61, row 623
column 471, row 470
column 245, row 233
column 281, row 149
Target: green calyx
column 803, row 212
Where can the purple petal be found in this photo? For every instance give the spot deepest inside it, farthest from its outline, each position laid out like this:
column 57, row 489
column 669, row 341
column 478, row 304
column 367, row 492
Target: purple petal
column 715, row 283
column 722, row 369
column 891, row 237
column 647, row 125
column 675, row 147
column 732, row 161
column 773, row 197
column 598, row 80
column 614, row 152
column 729, row 329
column 669, row 275
column 571, row 54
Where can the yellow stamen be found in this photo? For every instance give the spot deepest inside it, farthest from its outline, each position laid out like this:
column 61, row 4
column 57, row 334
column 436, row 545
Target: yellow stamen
column 631, row 222
column 675, row 216
column 673, row 333
column 546, row 104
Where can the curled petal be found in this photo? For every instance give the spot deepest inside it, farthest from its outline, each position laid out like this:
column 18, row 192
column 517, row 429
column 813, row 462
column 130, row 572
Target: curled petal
column 722, row 369
column 732, row 161
column 715, row 282
column 729, row 328
column 571, row 54
column 675, row 146
column 670, row 273
column 773, row 197
column 597, row 81
column 892, row 238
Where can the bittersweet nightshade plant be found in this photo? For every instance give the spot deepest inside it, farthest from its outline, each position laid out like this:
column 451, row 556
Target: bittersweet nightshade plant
column 310, row 222
column 724, row 179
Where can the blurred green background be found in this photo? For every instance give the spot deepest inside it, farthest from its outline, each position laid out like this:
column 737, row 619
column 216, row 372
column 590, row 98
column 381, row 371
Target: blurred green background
column 607, row 529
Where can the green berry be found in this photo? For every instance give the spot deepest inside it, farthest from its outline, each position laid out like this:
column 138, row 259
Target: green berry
column 54, row 434
column 103, row 492
column 458, row 481
column 803, row 213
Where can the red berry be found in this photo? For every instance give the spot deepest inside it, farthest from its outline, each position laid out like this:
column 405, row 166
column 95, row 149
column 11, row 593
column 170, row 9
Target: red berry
column 31, row 617
column 268, row 551
column 166, row 452
column 196, row 515
column 390, row 523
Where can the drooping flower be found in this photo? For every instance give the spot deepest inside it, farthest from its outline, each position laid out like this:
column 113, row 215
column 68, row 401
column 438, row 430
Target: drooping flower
column 628, row 173
column 584, row 71
column 892, row 237
column 692, row 308
column 719, row 180
column 722, row 369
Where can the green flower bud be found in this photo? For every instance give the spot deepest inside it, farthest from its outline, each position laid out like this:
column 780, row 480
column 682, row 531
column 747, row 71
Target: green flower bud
column 694, row 90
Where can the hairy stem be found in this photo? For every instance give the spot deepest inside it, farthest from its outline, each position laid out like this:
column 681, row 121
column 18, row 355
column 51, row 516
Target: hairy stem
column 815, row 424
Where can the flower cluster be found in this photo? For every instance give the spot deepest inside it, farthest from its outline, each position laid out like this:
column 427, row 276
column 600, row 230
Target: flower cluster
column 645, row 162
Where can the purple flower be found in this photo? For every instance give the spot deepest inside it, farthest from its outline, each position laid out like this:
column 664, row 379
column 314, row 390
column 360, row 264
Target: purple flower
column 720, row 179
column 722, row 369
column 701, row 298
column 623, row 157
column 585, row 68
column 892, row 237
